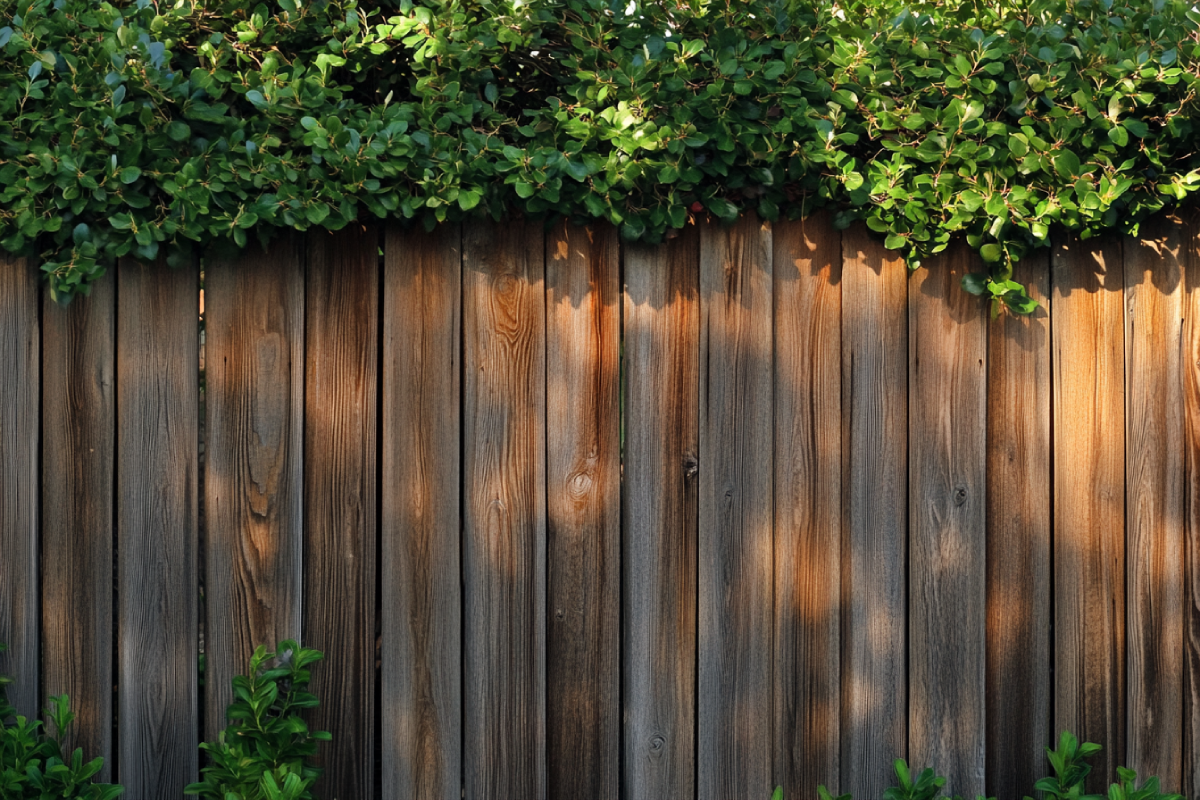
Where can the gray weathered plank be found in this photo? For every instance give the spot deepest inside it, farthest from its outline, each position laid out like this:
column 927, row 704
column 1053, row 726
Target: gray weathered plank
column 1089, row 491
column 873, row 594
column 735, row 696
column 19, row 337
column 583, row 524
column 1154, row 502
column 341, row 409
column 421, row 682
column 947, row 503
column 78, row 452
column 253, row 471
column 659, row 517
column 808, row 502
column 1018, row 540
column 504, row 511
column 157, row 469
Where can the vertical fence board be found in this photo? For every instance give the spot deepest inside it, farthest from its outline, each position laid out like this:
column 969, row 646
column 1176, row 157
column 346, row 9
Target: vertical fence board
column 78, row 423
column 659, row 517
column 341, row 407
column 583, row 463
column 1018, row 540
column 1089, row 489
column 1190, row 785
column 157, row 469
column 254, row 470
column 873, row 593
column 807, row 266
column 504, row 542
column 736, row 699
column 19, row 345
column 1154, row 501
column 947, row 436
column 422, row 598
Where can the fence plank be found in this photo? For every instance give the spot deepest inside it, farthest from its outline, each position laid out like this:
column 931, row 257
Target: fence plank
column 947, row 436
column 421, row 683
column 736, row 701
column 78, row 451
column 157, row 468
column 808, row 502
column 1089, row 489
column 1190, row 785
column 583, row 476
column 873, row 596
column 504, row 543
column 341, row 355
column 254, row 399
column 1154, row 501
column 1018, row 540
column 659, row 517
column 19, row 337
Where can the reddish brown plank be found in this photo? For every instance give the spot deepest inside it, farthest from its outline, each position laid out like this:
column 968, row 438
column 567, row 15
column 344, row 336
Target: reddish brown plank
column 254, row 402
column 947, row 503
column 341, row 365
column 19, row 337
column 583, row 479
column 1018, row 540
column 78, row 451
column 1089, row 491
column 1154, row 504
column 157, row 469
column 504, row 513
column 808, row 502
column 659, row 517
column 735, row 697
column 421, row 505
column 1190, row 785
column 873, row 586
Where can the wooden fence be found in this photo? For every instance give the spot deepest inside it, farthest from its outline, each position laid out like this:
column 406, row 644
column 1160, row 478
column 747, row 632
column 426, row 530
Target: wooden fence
column 573, row 519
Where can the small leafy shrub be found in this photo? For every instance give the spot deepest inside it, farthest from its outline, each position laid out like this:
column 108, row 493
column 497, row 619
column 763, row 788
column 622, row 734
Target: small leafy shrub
column 31, row 760
column 1070, row 770
column 265, row 752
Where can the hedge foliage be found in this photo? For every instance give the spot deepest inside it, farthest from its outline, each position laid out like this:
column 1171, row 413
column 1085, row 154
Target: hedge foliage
column 142, row 128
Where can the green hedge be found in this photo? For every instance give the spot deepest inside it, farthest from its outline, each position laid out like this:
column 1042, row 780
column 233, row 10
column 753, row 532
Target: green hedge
column 144, row 127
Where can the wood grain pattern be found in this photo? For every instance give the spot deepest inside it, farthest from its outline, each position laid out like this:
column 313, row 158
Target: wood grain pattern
column 1190, row 784
column 1089, row 494
column 254, row 470
column 1154, row 503
column 808, row 502
column 340, row 424
column 735, row 695
column 583, row 525
column 1018, row 540
column 19, row 342
column 659, row 517
column 78, row 452
column 875, row 424
column 947, row 503
column 157, row 469
column 421, row 611
column 504, row 514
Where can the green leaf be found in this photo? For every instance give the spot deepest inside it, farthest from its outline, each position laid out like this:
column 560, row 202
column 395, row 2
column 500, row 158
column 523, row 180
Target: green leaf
column 1118, row 135
column 991, row 252
column 129, row 174
column 974, row 283
column 468, row 199
column 1066, row 164
column 1017, row 145
column 1136, row 127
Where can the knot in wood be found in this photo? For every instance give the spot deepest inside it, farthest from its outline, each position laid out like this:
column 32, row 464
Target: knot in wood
column 580, row 484
column 960, row 495
column 657, row 743
column 690, row 467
